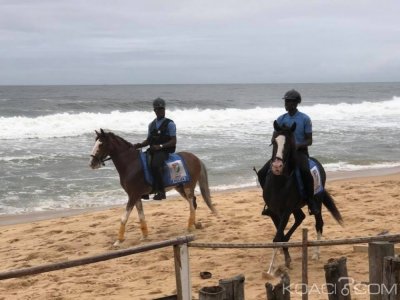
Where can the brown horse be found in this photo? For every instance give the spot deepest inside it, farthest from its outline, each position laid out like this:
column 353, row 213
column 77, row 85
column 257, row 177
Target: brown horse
column 127, row 162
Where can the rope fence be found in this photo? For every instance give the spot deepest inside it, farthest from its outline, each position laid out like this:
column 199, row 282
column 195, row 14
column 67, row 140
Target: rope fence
column 395, row 238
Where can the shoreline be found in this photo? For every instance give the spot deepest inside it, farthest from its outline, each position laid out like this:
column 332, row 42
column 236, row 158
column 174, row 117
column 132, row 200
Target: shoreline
column 10, row 219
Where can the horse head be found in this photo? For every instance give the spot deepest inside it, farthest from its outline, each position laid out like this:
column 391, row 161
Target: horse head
column 100, row 150
column 282, row 160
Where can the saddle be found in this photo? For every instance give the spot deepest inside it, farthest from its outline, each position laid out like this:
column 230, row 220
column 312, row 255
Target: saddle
column 316, row 174
column 175, row 170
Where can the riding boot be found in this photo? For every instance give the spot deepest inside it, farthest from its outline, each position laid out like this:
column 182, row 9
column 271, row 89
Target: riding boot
column 312, row 207
column 159, row 185
column 160, row 196
column 266, row 211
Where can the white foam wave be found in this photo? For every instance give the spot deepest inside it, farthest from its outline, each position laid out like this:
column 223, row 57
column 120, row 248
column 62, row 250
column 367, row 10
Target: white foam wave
column 236, row 121
column 344, row 166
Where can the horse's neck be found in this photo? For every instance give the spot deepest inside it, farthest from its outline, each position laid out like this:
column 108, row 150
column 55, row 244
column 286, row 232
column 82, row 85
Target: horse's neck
column 123, row 157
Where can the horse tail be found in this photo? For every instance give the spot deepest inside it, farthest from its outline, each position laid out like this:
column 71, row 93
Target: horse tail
column 204, row 188
column 329, row 203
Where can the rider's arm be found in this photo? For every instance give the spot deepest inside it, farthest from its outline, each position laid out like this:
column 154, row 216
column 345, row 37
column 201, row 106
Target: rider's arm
column 172, row 133
column 142, row 144
column 171, row 143
column 307, row 141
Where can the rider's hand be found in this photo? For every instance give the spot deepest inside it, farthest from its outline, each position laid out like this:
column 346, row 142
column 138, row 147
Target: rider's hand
column 137, row 145
column 155, row 147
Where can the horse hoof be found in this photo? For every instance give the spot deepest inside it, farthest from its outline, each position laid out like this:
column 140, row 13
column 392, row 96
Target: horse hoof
column 117, row 243
column 191, row 229
column 315, row 256
column 268, row 275
column 198, row 225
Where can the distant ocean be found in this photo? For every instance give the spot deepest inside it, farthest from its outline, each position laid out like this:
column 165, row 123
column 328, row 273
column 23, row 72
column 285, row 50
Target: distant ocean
column 47, row 133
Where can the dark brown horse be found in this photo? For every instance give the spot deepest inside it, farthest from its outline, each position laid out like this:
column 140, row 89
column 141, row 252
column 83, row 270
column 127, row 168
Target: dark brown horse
column 282, row 195
column 127, row 162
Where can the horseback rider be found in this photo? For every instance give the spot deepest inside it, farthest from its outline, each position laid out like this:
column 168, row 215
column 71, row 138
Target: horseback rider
column 162, row 140
column 303, row 137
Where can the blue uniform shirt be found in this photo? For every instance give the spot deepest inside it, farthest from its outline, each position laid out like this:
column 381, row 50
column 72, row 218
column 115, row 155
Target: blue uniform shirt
column 171, row 128
column 303, row 124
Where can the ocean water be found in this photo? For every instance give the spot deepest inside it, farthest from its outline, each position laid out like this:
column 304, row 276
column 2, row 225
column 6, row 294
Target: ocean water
column 47, row 133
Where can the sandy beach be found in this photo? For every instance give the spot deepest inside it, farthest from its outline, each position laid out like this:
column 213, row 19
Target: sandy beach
column 368, row 205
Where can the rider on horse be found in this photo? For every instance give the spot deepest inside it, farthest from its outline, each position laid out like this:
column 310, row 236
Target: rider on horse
column 162, row 140
column 303, row 136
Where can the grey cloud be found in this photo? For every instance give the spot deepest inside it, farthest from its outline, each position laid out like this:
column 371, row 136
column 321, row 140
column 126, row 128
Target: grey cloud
column 198, row 41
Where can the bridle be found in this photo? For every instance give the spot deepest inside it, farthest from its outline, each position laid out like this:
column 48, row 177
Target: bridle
column 101, row 160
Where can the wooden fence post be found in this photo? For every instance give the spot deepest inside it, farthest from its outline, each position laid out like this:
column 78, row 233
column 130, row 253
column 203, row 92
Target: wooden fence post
column 337, row 281
column 234, row 287
column 391, row 279
column 376, row 253
column 281, row 290
column 304, row 269
column 182, row 272
column 211, row 293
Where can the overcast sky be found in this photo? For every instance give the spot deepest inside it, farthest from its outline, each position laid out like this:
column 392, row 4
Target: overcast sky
column 204, row 41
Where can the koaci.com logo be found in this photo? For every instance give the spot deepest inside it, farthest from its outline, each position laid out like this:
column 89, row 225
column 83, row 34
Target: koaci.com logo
column 345, row 286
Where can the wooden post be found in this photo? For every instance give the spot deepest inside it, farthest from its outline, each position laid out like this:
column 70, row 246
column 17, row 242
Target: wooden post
column 376, row 253
column 281, row 290
column 211, row 293
column 304, row 269
column 390, row 289
column 337, row 280
column 182, row 272
column 234, row 287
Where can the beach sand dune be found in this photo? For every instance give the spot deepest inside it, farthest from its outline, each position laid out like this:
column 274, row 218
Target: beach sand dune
column 369, row 207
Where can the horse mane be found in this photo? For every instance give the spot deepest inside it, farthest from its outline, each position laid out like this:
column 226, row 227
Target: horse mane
column 120, row 139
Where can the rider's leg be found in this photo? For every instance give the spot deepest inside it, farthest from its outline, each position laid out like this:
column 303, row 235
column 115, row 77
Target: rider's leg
column 262, row 176
column 308, row 182
column 157, row 169
column 263, row 172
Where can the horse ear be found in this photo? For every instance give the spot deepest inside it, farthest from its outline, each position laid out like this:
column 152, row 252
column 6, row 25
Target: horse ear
column 293, row 127
column 276, row 126
column 102, row 131
column 97, row 133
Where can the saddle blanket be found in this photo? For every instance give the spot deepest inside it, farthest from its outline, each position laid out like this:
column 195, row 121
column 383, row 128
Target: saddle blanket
column 175, row 171
column 315, row 172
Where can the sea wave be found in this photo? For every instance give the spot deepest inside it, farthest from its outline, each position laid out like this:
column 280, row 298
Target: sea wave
column 365, row 115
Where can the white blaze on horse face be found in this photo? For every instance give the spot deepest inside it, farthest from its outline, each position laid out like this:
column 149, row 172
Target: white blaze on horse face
column 95, row 163
column 277, row 164
column 280, row 141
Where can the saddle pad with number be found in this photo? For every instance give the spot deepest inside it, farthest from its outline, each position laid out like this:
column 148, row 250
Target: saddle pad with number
column 175, row 171
column 315, row 172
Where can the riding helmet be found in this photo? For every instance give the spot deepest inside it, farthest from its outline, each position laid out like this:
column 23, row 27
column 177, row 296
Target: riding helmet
column 292, row 95
column 158, row 103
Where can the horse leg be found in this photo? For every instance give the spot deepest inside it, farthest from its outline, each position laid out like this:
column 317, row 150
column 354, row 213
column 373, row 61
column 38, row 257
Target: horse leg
column 319, row 225
column 190, row 197
column 276, row 221
column 299, row 216
column 279, row 237
column 124, row 219
column 143, row 224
